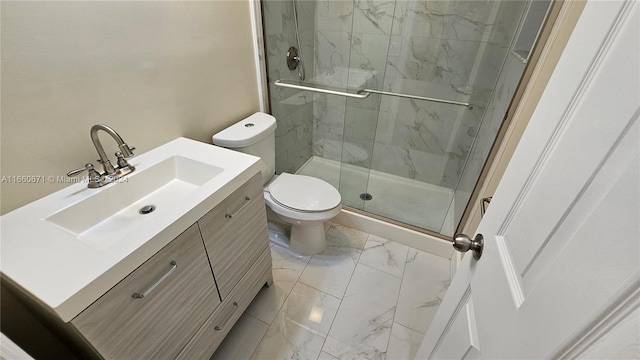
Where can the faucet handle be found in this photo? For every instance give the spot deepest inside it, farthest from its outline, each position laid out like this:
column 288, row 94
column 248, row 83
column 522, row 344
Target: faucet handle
column 76, row 172
column 124, row 167
column 94, row 175
column 121, row 160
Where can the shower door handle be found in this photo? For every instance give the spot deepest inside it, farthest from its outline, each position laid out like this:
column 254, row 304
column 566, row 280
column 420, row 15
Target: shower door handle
column 360, row 95
column 463, row 243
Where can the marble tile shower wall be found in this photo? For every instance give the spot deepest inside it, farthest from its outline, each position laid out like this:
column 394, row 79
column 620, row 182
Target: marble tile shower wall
column 497, row 107
column 293, row 109
column 444, row 49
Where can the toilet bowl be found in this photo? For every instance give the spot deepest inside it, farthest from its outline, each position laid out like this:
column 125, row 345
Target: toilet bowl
column 302, row 201
column 306, row 203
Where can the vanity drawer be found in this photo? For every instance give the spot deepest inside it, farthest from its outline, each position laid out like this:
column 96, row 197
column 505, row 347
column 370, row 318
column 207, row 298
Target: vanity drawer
column 155, row 310
column 235, row 233
column 209, row 337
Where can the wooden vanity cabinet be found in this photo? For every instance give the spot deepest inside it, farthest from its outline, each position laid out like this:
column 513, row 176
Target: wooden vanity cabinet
column 122, row 325
column 183, row 301
column 211, row 334
column 235, row 234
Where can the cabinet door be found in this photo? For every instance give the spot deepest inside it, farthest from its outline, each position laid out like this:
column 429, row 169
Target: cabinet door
column 235, row 234
column 155, row 310
column 209, row 337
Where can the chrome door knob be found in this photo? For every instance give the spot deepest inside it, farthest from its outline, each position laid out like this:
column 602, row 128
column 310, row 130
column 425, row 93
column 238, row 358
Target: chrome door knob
column 463, row 243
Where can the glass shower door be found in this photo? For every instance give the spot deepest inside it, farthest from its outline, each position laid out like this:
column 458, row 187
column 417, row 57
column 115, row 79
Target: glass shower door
column 369, row 34
column 439, row 76
column 452, row 52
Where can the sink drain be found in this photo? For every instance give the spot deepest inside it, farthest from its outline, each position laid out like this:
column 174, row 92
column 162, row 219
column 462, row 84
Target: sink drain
column 148, row 209
column 366, row 196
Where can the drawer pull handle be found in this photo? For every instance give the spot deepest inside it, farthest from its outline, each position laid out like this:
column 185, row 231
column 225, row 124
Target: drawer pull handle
column 247, row 200
column 218, row 327
column 174, row 266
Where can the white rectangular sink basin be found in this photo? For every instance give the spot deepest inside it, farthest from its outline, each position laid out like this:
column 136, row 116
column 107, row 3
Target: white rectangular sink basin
column 69, row 248
column 104, row 219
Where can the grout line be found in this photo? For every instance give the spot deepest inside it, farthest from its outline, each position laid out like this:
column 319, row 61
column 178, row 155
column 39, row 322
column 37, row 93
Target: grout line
column 341, row 301
column 404, row 270
column 418, row 251
column 405, row 257
column 256, row 318
column 273, row 321
column 318, row 290
column 259, row 341
column 395, row 307
column 261, row 338
column 324, row 291
column 315, row 288
column 298, row 280
column 287, row 296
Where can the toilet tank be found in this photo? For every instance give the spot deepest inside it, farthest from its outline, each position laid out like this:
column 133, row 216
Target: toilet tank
column 255, row 135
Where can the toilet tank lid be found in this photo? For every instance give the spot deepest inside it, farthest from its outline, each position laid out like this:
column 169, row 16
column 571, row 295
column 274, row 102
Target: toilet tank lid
column 246, row 132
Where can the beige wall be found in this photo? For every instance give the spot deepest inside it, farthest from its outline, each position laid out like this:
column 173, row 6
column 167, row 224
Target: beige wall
column 152, row 70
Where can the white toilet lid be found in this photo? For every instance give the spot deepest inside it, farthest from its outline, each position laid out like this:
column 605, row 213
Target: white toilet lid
column 304, row 193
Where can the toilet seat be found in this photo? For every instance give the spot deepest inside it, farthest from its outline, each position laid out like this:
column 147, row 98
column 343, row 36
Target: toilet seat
column 293, row 216
column 303, row 193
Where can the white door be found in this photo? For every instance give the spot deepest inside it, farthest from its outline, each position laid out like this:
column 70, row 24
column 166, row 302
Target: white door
column 559, row 275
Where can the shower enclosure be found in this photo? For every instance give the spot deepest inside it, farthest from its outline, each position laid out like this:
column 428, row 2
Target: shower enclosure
column 401, row 100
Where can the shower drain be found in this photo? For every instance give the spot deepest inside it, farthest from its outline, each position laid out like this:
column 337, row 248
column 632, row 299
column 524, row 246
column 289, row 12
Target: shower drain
column 366, row 196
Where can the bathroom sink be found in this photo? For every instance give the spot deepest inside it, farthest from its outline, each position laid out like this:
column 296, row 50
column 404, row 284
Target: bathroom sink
column 69, row 248
column 108, row 216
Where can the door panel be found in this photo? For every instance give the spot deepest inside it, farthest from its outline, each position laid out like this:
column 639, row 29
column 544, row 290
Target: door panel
column 461, row 339
column 561, row 235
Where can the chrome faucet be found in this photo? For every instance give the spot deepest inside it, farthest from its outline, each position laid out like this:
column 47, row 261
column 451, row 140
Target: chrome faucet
column 104, row 160
column 111, row 173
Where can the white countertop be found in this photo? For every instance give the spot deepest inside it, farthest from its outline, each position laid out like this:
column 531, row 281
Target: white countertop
column 67, row 274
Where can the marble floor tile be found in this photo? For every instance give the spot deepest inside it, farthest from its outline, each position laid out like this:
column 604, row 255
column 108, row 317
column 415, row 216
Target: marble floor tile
column 345, row 237
column 287, row 267
column 331, row 270
column 363, row 324
column 311, row 308
column 404, row 343
column 424, row 284
column 364, row 297
column 242, row 340
column 384, row 255
column 325, row 356
column 300, row 327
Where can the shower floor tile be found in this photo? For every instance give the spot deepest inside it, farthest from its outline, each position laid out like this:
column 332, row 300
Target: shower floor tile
column 354, row 301
column 410, row 201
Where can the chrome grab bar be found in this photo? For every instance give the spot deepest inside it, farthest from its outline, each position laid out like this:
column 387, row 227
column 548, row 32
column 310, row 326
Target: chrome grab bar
column 359, row 95
column 443, row 101
column 364, row 93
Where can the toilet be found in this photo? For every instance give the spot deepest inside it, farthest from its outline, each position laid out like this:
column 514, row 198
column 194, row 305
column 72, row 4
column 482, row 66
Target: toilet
column 302, row 201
